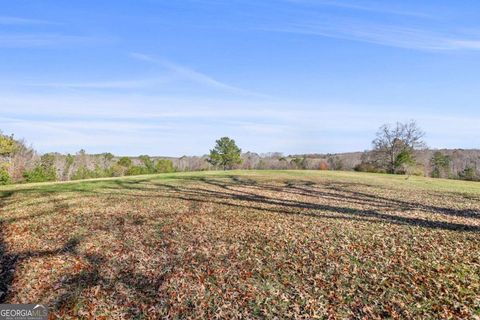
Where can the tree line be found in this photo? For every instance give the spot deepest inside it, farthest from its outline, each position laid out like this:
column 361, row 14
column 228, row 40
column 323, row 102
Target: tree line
column 19, row 163
column 397, row 149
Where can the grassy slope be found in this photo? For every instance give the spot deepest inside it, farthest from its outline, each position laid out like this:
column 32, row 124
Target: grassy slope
column 356, row 177
column 244, row 243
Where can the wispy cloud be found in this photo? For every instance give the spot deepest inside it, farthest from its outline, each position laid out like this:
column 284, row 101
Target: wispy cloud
column 21, row 40
column 193, row 76
column 148, row 124
column 363, row 6
column 8, row 20
column 107, row 84
column 122, row 105
column 376, row 22
column 382, row 34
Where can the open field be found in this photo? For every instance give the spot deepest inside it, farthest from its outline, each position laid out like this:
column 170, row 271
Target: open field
column 243, row 245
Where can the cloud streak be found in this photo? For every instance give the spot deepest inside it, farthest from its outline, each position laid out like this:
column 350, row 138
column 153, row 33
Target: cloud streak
column 375, row 8
column 381, row 34
column 26, row 40
column 194, row 76
column 107, row 84
column 8, row 20
column 136, row 117
column 382, row 24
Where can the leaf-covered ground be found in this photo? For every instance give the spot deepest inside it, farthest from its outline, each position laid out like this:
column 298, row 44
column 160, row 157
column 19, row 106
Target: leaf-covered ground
column 291, row 244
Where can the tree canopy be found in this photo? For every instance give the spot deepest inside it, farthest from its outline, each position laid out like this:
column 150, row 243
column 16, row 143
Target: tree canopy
column 440, row 165
column 394, row 145
column 8, row 145
column 225, row 154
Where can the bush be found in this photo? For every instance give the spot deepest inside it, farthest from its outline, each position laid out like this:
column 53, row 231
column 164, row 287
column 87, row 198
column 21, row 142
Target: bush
column 40, row 174
column 43, row 172
column 136, row 170
column 417, row 170
column 323, row 166
column 84, row 173
column 366, row 167
column 4, row 177
column 468, row 174
column 148, row 163
column 164, row 166
column 115, row 170
column 125, row 162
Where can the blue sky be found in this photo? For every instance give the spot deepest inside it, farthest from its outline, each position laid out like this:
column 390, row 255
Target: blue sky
column 297, row 76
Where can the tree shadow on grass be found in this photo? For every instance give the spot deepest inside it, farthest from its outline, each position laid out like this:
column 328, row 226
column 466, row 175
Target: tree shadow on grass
column 292, row 198
column 225, row 192
column 141, row 290
column 9, row 261
column 144, row 289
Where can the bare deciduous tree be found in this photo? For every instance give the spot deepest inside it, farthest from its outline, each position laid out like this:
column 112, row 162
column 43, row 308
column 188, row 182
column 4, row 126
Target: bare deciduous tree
column 395, row 140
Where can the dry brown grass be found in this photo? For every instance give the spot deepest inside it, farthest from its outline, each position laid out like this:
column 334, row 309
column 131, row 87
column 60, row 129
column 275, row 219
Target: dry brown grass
column 244, row 245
